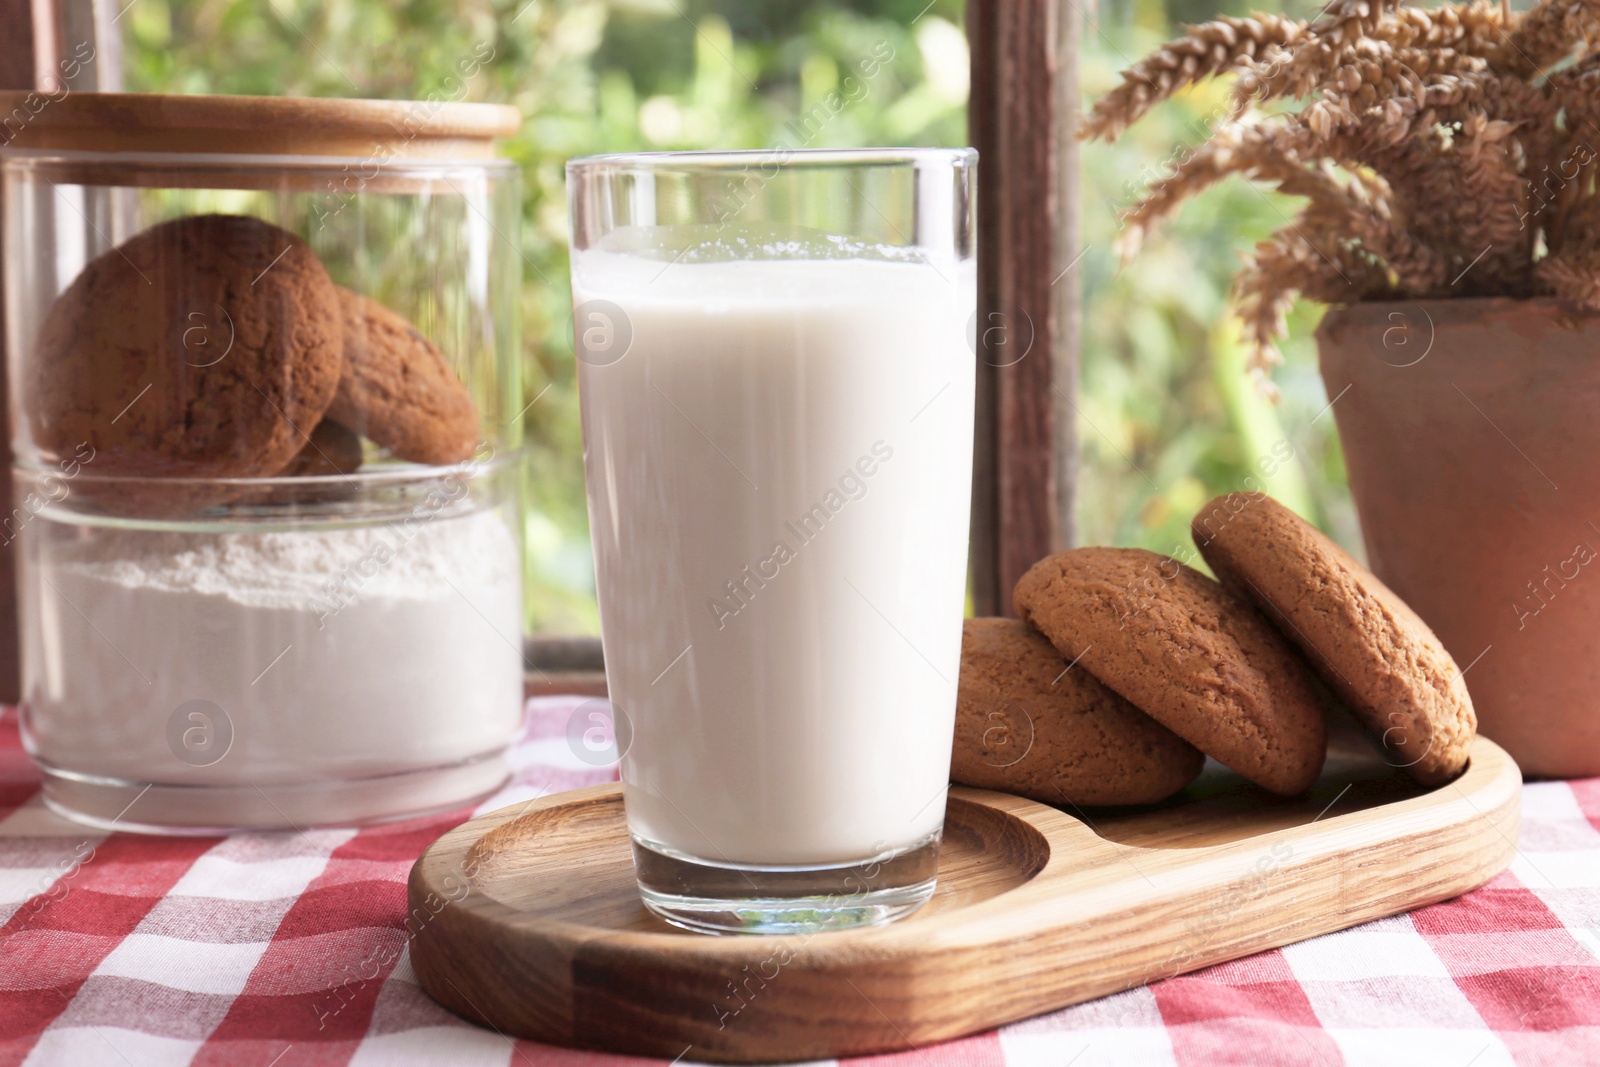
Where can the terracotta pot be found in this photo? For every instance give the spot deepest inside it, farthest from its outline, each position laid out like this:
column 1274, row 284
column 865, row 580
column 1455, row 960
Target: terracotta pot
column 1471, row 430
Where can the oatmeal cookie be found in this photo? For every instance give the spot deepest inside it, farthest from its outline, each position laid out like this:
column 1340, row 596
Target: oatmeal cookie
column 204, row 347
column 1367, row 645
column 398, row 389
column 1186, row 652
column 1027, row 724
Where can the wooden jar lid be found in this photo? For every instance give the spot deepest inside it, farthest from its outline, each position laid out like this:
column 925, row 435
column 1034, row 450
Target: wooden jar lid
column 254, row 125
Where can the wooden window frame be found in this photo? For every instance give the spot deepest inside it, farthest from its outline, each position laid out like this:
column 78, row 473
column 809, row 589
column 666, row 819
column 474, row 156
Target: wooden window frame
column 19, row 66
column 1023, row 118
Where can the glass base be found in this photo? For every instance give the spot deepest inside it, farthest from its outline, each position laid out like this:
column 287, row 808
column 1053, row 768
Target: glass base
column 730, row 898
column 164, row 808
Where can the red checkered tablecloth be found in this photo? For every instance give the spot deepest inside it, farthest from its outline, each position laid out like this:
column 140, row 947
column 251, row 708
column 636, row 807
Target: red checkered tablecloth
column 119, row 949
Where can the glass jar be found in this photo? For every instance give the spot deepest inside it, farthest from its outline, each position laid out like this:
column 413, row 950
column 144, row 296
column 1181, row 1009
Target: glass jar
column 263, row 388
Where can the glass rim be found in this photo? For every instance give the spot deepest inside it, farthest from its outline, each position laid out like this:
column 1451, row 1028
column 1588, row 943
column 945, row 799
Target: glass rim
column 378, row 474
column 693, row 160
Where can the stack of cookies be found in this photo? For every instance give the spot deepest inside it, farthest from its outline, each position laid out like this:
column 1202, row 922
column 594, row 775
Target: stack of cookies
column 1129, row 667
column 218, row 347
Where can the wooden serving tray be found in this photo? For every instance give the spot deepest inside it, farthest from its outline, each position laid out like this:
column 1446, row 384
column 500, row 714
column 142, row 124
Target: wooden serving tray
column 527, row 919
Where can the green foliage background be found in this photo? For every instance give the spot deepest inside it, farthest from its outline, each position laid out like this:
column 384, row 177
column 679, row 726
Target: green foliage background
column 1168, row 417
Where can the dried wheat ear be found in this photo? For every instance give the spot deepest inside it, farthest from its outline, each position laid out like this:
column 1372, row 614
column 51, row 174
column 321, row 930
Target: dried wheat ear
column 1442, row 152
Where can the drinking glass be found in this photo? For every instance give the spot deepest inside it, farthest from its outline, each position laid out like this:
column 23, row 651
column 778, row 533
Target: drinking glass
column 776, row 387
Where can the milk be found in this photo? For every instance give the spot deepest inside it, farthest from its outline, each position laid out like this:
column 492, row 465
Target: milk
column 779, row 473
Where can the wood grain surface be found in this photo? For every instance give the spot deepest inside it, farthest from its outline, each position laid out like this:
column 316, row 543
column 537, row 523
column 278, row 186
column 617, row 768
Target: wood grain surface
column 1022, row 357
column 16, row 73
column 256, row 125
column 527, row 919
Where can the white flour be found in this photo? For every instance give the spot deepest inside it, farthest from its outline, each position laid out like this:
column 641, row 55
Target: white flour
column 320, row 569
column 331, row 654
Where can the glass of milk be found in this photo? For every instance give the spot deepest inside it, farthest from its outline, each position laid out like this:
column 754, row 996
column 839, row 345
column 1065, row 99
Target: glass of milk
column 776, row 386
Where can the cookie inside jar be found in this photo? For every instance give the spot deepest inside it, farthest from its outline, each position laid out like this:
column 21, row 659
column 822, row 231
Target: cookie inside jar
column 211, row 350
column 263, row 356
